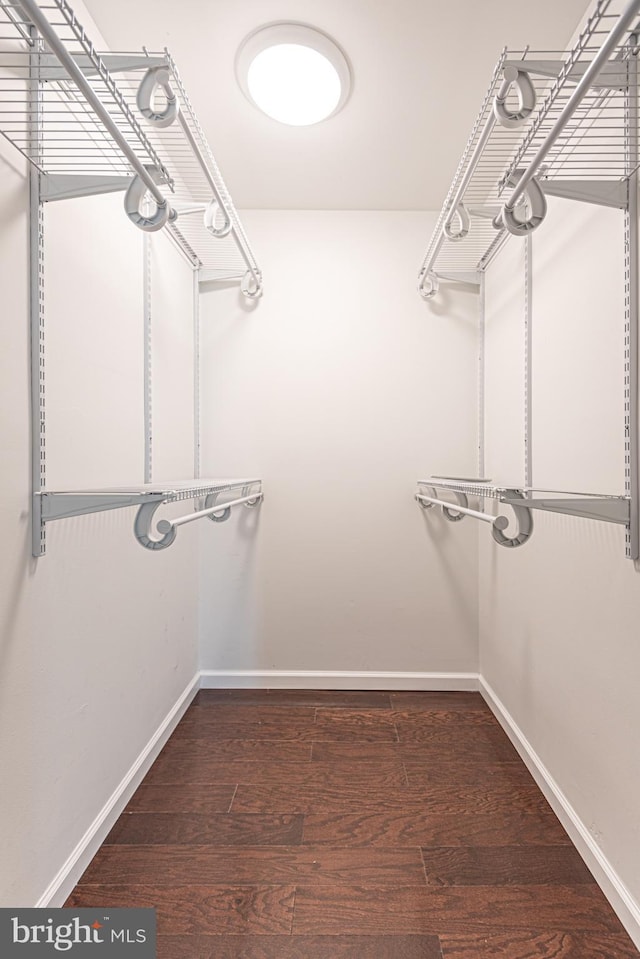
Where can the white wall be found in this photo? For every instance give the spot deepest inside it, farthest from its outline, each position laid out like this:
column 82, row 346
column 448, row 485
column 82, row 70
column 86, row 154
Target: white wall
column 504, row 450
column 559, row 616
column 98, row 637
column 340, row 388
column 173, row 359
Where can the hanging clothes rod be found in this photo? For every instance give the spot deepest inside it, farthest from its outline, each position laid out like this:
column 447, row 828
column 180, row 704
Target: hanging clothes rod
column 457, row 511
column 167, row 525
column 507, row 218
column 500, row 522
column 167, row 529
column 36, row 16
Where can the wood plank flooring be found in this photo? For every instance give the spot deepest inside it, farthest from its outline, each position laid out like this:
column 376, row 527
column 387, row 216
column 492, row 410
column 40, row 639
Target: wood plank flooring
column 349, row 825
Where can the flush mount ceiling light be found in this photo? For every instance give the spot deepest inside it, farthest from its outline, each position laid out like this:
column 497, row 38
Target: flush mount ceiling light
column 293, row 73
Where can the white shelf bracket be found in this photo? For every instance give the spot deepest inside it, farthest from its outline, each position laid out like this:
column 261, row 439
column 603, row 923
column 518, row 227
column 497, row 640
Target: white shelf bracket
column 68, row 186
column 65, row 505
column 605, row 510
column 600, row 192
column 461, row 276
column 115, row 63
column 612, row 76
column 217, row 276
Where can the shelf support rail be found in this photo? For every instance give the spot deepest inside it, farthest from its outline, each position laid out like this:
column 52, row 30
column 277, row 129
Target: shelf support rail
column 457, row 511
column 527, row 179
column 217, row 512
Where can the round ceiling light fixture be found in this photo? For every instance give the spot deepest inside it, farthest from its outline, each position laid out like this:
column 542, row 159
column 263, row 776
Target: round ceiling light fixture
column 293, row 73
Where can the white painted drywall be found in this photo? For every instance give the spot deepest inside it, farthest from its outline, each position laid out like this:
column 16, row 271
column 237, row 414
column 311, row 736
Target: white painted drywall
column 504, row 367
column 578, row 349
column 341, row 388
column 98, row 637
column 559, row 616
column 172, row 294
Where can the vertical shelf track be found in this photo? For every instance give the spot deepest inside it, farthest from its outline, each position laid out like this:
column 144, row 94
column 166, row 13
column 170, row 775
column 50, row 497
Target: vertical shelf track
column 196, row 373
column 481, row 376
column 36, row 295
column 528, row 382
column 148, row 357
column 631, row 424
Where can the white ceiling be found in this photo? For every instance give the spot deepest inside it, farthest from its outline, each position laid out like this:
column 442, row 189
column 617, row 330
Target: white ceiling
column 421, row 69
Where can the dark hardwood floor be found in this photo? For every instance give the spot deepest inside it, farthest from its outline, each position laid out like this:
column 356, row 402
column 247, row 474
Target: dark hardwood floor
column 349, row 825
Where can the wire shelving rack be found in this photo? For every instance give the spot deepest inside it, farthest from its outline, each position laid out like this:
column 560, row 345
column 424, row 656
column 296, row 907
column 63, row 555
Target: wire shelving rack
column 588, row 155
column 522, row 499
column 45, row 113
column 148, row 498
column 573, row 133
column 84, row 134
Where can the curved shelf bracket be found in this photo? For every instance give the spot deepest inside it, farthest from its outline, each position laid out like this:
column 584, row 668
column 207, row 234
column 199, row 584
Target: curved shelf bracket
column 251, row 285
column 524, row 518
column 143, row 532
column 210, row 217
column 520, row 79
column 154, row 79
column 428, row 292
column 536, row 210
column 448, row 509
column 452, row 515
column 223, row 514
column 498, row 523
column 133, row 200
column 255, row 501
column 461, row 215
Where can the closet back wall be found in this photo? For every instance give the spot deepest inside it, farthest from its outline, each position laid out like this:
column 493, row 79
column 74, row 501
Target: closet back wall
column 340, row 388
column 97, row 637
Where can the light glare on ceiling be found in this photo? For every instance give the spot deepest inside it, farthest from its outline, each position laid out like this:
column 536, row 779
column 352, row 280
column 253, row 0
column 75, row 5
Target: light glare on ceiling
column 293, row 73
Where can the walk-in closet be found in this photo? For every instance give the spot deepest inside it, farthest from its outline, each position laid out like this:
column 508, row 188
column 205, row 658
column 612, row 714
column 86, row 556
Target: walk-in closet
column 320, row 574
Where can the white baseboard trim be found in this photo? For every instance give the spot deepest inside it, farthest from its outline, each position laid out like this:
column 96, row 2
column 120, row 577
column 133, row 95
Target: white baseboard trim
column 335, row 679
column 67, row 877
column 625, row 906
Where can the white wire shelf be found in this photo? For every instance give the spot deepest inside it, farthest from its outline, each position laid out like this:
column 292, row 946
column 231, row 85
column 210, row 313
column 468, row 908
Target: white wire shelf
column 464, row 257
column 148, row 497
column 83, row 146
column 459, row 484
column 67, row 137
column 195, row 175
column 593, row 145
column 585, row 128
